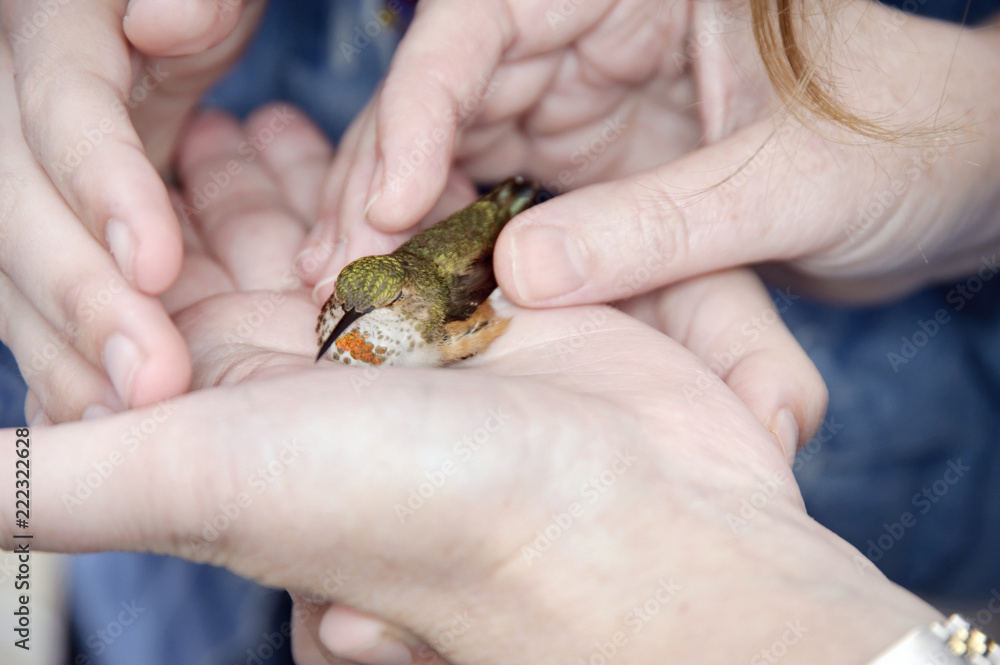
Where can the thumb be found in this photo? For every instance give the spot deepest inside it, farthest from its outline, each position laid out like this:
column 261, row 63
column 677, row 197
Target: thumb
column 189, row 45
column 736, row 202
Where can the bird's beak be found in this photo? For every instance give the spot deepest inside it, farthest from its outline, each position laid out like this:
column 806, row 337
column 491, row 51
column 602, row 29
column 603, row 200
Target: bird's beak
column 350, row 316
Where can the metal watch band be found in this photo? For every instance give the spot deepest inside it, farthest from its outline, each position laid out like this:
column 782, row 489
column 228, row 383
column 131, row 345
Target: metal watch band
column 954, row 642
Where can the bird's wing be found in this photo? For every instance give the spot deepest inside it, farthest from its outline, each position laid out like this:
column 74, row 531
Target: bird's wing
column 471, row 286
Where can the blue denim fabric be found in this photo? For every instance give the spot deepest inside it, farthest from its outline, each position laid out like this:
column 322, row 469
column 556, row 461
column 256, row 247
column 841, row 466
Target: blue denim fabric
column 900, row 426
column 142, row 608
column 890, row 433
column 12, row 390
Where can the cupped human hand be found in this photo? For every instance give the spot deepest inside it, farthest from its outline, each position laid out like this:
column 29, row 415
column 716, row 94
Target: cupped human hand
column 566, row 486
column 94, row 95
column 680, row 157
column 727, row 319
column 562, row 491
column 242, row 242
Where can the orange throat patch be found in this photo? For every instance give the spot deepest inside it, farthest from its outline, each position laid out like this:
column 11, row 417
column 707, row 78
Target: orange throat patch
column 360, row 348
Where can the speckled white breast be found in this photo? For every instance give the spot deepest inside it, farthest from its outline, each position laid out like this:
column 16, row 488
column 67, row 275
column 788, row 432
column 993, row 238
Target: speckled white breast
column 381, row 337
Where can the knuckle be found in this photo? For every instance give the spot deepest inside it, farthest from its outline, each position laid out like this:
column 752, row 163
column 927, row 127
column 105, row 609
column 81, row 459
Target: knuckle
column 87, row 299
column 65, row 120
column 659, row 231
column 36, row 86
column 13, row 185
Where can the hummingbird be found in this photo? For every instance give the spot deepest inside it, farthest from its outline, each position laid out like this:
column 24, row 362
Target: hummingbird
column 426, row 303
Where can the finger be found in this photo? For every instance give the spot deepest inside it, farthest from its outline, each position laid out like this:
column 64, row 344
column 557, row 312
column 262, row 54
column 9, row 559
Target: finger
column 442, row 73
column 367, row 640
column 449, row 50
column 244, row 219
column 729, row 320
column 74, row 88
column 169, row 87
column 75, row 286
column 172, row 28
column 459, row 192
column 681, row 219
column 62, row 384
column 325, row 244
column 32, row 408
column 201, row 275
column 298, row 158
column 342, row 234
column 306, row 649
column 360, row 549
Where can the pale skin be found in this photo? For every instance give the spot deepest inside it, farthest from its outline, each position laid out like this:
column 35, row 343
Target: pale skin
column 688, row 87
column 116, row 346
column 693, row 117
column 90, row 108
column 653, row 564
column 729, row 100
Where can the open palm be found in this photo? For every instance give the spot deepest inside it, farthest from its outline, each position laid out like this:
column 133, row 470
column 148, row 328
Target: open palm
column 576, row 485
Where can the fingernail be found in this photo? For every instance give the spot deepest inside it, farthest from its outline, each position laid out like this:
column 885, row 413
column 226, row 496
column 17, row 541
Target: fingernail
column 122, row 246
column 38, row 419
column 312, row 258
column 321, row 292
column 546, row 263
column 95, row 411
column 121, row 359
column 388, row 651
column 786, row 430
column 363, row 640
column 336, row 262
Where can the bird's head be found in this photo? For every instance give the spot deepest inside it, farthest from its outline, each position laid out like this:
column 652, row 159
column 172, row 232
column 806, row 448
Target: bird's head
column 370, row 283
